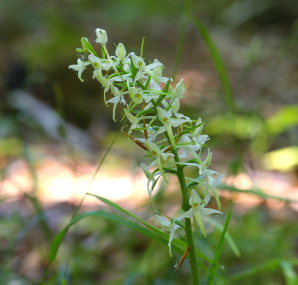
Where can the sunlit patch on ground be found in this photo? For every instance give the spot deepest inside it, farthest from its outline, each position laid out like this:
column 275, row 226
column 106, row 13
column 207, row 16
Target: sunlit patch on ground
column 56, row 181
column 275, row 184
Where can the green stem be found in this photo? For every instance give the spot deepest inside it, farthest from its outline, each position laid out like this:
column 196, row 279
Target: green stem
column 186, row 207
column 188, row 228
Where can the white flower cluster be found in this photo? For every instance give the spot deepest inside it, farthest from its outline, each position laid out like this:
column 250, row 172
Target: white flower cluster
column 151, row 107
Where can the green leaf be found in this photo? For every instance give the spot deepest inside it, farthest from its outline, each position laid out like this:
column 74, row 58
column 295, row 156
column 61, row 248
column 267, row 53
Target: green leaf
column 289, row 273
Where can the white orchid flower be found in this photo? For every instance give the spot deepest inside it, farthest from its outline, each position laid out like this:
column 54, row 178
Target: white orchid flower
column 155, row 70
column 105, row 82
column 180, row 89
column 212, row 185
column 152, row 106
column 168, row 122
column 158, row 156
column 166, row 119
column 154, row 86
column 198, row 210
column 95, row 61
column 202, row 165
column 170, row 225
column 138, row 62
column 101, row 64
column 79, row 67
column 136, row 95
column 134, row 121
column 205, row 164
column 148, row 96
column 119, row 98
column 190, row 143
column 151, row 181
column 185, row 146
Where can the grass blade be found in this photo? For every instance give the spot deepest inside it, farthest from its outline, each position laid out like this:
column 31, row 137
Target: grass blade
column 228, row 237
column 218, row 251
column 219, row 64
column 95, row 173
column 177, row 244
column 124, row 211
column 257, row 192
column 269, row 265
column 289, row 273
column 142, row 47
column 110, row 216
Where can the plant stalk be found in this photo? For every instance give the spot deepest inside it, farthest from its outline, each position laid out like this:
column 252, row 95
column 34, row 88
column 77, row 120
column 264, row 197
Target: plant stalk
column 188, row 228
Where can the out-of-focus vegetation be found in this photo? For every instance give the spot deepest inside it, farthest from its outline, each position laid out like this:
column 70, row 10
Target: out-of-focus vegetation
column 239, row 61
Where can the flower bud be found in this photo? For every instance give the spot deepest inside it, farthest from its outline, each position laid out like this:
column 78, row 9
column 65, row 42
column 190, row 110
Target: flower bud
column 102, row 37
column 87, row 46
column 120, row 52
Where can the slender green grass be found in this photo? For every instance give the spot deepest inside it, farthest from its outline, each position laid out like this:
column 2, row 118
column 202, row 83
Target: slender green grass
column 215, row 54
column 77, row 209
column 153, row 232
column 60, row 237
column 257, row 192
column 182, row 34
column 33, row 198
column 228, row 237
column 219, row 64
column 290, row 275
column 146, row 224
column 270, row 265
column 218, row 250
